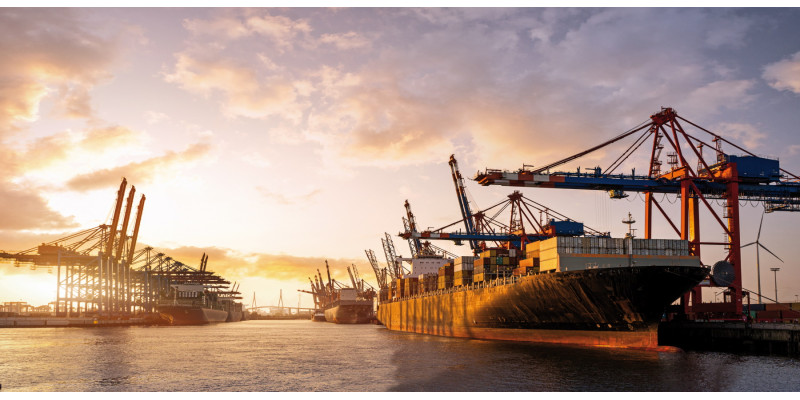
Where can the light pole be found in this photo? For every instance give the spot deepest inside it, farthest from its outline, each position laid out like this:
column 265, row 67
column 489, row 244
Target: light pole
column 775, row 270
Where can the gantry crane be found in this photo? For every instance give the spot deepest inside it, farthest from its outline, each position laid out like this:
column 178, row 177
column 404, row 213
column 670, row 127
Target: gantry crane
column 725, row 177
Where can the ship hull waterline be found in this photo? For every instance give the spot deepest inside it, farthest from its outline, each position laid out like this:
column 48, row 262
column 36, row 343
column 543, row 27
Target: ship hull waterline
column 193, row 315
column 612, row 307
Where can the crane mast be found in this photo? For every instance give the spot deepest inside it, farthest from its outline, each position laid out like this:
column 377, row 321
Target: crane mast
column 463, row 202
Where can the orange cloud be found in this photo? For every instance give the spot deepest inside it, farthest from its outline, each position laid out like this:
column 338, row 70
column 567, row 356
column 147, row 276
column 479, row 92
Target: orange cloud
column 26, row 209
column 143, row 171
column 232, row 265
column 99, row 139
column 19, row 101
column 48, row 52
column 245, row 93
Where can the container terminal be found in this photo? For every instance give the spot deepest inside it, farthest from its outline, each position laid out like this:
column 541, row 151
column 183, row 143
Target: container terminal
column 103, row 280
column 557, row 281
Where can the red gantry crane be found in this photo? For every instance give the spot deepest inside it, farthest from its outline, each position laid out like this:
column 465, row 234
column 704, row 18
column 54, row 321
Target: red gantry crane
column 697, row 176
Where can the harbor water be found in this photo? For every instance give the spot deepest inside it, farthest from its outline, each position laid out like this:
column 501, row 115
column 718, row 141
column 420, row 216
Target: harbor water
column 299, row 355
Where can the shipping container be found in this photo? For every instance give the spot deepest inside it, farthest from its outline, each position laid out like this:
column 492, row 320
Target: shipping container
column 777, row 306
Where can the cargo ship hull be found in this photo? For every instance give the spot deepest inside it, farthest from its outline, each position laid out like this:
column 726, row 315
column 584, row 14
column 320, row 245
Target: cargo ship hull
column 350, row 312
column 618, row 307
column 193, row 315
column 234, row 316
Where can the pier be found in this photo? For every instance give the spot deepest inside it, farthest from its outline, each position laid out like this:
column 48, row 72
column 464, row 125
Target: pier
column 733, row 337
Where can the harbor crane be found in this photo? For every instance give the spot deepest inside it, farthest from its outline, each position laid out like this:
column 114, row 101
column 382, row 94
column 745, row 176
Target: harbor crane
column 697, row 178
column 380, row 273
column 99, row 270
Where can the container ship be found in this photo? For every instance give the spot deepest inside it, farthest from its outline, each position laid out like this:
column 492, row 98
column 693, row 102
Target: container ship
column 337, row 303
column 197, row 305
column 594, row 291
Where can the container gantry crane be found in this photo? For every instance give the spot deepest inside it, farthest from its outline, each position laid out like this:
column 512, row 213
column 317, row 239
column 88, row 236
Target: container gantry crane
column 725, row 177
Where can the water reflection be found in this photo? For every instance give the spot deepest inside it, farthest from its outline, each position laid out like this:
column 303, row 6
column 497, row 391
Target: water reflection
column 305, row 356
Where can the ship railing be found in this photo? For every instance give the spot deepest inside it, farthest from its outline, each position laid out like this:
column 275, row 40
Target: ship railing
column 500, row 281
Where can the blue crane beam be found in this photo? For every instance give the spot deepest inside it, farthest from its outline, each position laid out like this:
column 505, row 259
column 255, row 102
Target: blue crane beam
column 788, row 192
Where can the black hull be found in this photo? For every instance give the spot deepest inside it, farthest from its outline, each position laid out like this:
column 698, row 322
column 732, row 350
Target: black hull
column 543, row 307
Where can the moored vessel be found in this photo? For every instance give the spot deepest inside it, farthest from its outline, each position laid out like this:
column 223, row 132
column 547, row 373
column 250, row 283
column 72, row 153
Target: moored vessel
column 196, row 305
column 337, row 303
column 594, row 291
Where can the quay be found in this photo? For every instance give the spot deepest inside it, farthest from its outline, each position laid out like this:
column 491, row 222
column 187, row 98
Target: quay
column 759, row 338
column 39, row 322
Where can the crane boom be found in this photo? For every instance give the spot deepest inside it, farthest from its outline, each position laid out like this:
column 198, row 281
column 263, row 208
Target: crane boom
column 136, row 225
column 380, row 273
column 391, row 257
column 118, row 207
column 412, row 226
column 124, row 230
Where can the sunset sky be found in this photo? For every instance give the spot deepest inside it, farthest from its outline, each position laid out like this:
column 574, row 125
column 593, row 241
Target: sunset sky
column 276, row 138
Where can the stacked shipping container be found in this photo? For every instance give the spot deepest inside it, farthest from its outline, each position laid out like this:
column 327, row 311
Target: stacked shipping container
column 446, row 275
column 494, row 263
column 464, row 268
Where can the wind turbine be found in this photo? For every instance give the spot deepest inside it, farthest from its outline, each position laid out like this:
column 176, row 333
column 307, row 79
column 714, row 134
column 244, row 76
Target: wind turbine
column 758, row 265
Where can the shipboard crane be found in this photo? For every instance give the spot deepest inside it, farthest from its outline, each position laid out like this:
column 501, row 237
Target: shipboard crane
column 380, row 273
column 515, row 234
column 463, row 203
column 395, row 268
column 412, row 246
column 722, row 176
column 414, row 243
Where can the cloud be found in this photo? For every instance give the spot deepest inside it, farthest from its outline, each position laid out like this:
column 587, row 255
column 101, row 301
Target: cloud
column 742, row 134
column 503, row 82
column 280, row 30
column 784, row 74
column 233, row 265
column 19, row 102
column 99, row 139
column 245, row 93
column 49, row 53
column 143, row 171
column 48, row 150
column 288, row 199
column 345, row 41
column 26, row 209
